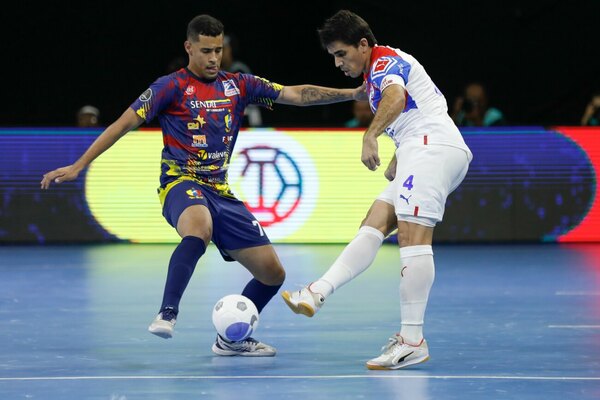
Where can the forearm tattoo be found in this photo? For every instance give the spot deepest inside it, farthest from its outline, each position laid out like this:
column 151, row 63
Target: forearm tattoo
column 314, row 95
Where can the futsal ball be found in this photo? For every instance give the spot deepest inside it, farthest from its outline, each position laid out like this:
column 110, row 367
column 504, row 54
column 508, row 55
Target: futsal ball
column 235, row 317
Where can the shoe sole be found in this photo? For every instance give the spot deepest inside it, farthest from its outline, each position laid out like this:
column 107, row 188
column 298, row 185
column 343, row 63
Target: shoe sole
column 301, row 308
column 220, row 352
column 403, row 365
column 161, row 333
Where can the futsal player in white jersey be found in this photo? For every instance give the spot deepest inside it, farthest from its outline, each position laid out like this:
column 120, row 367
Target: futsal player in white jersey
column 430, row 161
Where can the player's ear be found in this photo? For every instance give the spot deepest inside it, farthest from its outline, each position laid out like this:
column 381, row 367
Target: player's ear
column 363, row 45
column 187, row 45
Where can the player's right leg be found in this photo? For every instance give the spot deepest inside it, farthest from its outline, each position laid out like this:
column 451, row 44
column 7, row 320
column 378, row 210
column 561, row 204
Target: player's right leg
column 356, row 257
column 186, row 209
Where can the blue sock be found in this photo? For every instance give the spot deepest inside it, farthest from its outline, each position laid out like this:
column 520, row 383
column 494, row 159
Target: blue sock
column 259, row 293
column 181, row 267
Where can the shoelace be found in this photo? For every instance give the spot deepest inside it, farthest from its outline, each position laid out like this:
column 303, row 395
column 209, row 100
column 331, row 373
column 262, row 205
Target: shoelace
column 391, row 342
column 168, row 314
column 248, row 343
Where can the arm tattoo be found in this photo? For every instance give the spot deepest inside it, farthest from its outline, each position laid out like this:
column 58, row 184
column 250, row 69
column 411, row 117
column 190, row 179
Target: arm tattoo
column 314, row 95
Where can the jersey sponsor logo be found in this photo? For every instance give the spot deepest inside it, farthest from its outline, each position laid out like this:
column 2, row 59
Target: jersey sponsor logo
column 210, row 104
column 146, row 96
column 190, row 90
column 228, row 118
column 227, row 139
column 215, row 155
column 387, row 81
column 194, row 126
column 194, row 193
column 230, row 88
column 200, row 120
column 199, row 141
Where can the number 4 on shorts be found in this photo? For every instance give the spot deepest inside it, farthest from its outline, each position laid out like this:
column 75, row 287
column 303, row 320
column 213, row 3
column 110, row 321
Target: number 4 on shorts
column 408, row 183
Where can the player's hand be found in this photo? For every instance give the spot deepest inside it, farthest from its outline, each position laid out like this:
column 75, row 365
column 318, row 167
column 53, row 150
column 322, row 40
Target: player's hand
column 360, row 93
column 370, row 153
column 59, row 175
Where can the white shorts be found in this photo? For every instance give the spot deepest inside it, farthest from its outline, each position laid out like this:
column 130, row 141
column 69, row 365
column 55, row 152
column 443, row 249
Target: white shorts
column 425, row 175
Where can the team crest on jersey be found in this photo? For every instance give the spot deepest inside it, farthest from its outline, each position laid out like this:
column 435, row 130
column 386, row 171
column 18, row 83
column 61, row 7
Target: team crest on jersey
column 227, row 139
column 230, row 88
column 199, row 141
column 147, row 95
column 190, row 90
column 194, row 193
column 382, row 66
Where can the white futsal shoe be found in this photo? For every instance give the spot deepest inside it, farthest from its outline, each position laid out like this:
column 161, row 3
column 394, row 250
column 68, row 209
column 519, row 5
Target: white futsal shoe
column 304, row 301
column 248, row 347
column 164, row 323
column 398, row 354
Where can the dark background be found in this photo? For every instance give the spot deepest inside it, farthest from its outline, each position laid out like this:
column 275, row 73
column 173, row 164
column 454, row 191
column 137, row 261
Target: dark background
column 538, row 58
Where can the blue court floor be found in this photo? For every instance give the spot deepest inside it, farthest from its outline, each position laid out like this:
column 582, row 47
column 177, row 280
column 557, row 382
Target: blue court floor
column 503, row 322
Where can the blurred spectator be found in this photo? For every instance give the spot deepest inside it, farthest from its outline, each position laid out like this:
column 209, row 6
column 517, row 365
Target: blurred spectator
column 591, row 116
column 362, row 115
column 472, row 109
column 229, row 63
column 88, row 116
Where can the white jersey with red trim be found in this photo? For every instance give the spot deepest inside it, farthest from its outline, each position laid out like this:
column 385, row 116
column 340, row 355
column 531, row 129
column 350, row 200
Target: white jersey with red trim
column 426, row 110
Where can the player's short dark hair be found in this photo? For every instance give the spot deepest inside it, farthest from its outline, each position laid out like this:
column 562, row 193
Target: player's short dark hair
column 346, row 27
column 204, row 25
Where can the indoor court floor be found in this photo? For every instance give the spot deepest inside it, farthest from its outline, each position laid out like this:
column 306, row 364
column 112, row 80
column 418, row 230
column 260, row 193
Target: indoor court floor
column 503, row 322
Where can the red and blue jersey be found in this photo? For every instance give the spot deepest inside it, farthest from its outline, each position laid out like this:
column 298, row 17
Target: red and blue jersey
column 200, row 121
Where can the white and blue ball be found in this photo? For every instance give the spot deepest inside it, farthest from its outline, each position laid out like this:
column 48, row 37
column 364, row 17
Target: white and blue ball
column 235, row 317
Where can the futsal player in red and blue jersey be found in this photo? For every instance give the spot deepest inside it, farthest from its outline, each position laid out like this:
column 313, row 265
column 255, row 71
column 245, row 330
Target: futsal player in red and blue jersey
column 200, row 109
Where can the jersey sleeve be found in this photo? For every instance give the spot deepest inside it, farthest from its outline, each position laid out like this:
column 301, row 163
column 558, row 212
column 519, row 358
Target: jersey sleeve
column 260, row 91
column 388, row 71
column 155, row 99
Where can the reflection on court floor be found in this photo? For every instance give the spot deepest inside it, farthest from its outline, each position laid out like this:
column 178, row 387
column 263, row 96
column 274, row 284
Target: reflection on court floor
column 503, row 321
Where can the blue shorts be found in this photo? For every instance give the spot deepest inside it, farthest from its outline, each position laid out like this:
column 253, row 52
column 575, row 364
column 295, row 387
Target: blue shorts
column 234, row 226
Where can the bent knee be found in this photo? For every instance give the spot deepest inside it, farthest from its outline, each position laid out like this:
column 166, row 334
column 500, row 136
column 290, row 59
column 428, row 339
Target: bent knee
column 199, row 232
column 274, row 277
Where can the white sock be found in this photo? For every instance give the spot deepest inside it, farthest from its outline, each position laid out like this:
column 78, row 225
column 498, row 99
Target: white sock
column 356, row 257
column 417, row 275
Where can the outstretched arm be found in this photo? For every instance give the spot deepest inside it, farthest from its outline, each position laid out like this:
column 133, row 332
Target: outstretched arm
column 393, row 100
column 308, row 95
column 126, row 122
